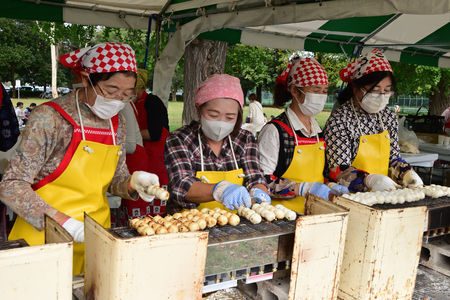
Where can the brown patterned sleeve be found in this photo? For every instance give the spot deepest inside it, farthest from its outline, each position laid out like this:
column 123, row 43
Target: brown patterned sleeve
column 39, row 140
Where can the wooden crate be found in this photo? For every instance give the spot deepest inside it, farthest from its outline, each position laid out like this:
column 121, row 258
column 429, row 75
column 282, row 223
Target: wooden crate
column 318, row 250
column 166, row 266
column 38, row 272
column 382, row 251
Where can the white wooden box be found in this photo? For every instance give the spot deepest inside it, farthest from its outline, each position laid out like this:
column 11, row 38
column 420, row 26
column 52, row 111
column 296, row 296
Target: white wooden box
column 167, row 266
column 39, row 272
column 382, row 251
column 318, row 250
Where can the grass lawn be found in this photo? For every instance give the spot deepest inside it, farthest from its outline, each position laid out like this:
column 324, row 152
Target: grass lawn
column 176, row 110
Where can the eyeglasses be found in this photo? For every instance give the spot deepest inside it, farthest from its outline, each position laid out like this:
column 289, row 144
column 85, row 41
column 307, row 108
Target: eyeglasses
column 378, row 94
column 106, row 94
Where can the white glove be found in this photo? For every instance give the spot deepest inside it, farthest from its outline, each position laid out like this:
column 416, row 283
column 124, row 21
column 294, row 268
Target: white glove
column 140, row 181
column 412, row 179
column 75, row 228
column 378, row 182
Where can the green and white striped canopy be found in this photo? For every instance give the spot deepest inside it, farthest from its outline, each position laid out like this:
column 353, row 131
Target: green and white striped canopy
column 411, row 31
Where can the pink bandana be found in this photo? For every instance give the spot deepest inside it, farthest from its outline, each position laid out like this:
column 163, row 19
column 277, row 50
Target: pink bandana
column 101, row 58
column 303, row 72
column 374, row 61
column 220, row 86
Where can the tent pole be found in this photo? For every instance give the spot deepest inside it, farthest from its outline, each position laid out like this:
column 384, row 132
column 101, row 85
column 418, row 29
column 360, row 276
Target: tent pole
column 148, row 41
column 157, row 32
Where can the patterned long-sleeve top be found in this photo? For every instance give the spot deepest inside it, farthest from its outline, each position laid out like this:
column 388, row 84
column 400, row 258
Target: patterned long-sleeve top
column 45, row 141
column 342, row 136
column 182, row 161
column 277, row 150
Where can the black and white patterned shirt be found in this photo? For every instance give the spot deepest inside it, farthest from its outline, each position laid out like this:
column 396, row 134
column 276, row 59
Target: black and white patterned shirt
column 342, row 135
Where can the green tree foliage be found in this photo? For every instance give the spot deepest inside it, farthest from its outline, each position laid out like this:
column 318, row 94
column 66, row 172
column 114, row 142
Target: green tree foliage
column 250, row 64
column 332, row 63
column 419, row 80
column 431, row 82
column 19, row 49
column 129, row 37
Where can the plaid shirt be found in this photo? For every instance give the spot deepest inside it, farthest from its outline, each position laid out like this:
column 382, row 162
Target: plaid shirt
column 182, row 160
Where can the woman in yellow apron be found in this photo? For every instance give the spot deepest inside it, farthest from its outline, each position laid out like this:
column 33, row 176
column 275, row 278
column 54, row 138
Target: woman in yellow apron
column 214, row 163
column 291, row 145
column 363, row 152
column 71, row 151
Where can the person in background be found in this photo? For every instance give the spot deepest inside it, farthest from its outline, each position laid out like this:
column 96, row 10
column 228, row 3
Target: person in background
column 446, row 115
column 9, row 133
column 73, row 151
column 362, row 151
column 9, row 123
column 255, row 113
column 21, row 118
column 396, row 108
column 27, row 111
column 137, row 157
column 291, row 146
column 153, row 122
column 214, row 163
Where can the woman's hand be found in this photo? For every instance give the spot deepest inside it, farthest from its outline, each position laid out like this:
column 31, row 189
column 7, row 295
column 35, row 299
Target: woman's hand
column 140, row 181
column 231, row 195
column 378, row 182
column 259, row 195
column 412, row 179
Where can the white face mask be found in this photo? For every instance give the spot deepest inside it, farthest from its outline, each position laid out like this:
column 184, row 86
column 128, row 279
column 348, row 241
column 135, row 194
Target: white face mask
column 105, row 108
column 373, row 103
column 216, row 130
column 313, row 103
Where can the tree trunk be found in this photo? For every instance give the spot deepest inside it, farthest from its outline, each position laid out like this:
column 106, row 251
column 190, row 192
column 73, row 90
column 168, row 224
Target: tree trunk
column 259, row 93
column 438, row 100
column 245, row 91
column 202, row 58
column 174, row 93
column 13, row 70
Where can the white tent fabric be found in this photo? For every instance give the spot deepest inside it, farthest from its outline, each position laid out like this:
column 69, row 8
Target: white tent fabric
column 290, row 24
column 413, row 31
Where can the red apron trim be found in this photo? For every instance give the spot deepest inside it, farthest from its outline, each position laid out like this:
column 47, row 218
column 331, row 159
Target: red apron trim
column 300, row 140
column 142, row 113
column 97, row 135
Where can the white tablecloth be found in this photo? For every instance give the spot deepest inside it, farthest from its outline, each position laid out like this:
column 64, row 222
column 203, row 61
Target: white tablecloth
column 423, row 159
column 442, row 150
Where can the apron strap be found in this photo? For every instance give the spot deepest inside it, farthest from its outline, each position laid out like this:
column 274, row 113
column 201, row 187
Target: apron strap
column 62, row 112
column 232, row 151
column 201, row 151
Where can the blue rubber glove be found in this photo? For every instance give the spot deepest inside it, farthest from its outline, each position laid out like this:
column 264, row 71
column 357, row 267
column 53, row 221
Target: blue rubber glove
column 259, row 195
column 339, row 189
column 316, row 188
column 231, row 195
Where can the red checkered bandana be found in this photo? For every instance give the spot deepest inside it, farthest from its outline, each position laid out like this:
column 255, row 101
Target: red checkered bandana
column 374, row 61
column 101, row 58
column 303, row 72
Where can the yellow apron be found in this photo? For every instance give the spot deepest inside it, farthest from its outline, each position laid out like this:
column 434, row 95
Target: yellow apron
column 307, row 165
column 213, row 177
column 373, row 150
column 81, row 187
